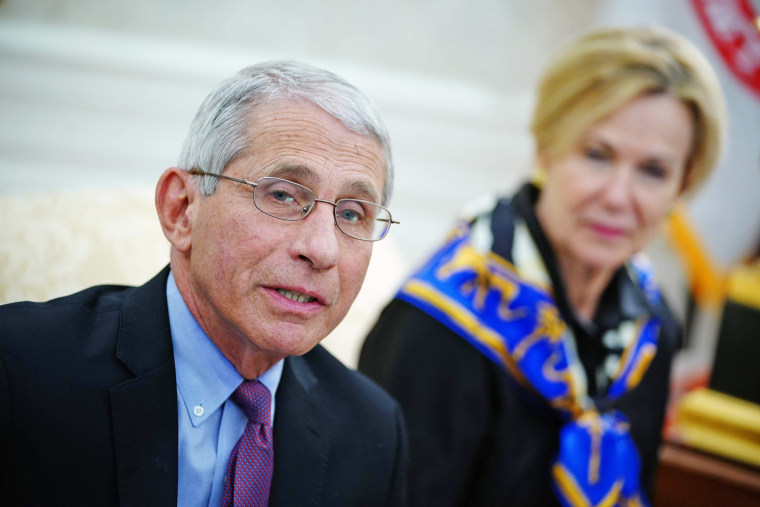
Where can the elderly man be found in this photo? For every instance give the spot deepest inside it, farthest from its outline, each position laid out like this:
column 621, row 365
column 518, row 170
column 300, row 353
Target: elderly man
column 207, row 386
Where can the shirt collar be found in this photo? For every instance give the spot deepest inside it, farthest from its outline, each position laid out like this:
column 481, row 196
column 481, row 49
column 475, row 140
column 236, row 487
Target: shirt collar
column 205, row 378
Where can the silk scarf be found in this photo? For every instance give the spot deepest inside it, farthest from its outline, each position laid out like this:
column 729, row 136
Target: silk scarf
column 507, row 311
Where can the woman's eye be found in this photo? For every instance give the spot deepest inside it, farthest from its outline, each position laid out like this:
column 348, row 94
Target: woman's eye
column 595, row 154
column 654, row 171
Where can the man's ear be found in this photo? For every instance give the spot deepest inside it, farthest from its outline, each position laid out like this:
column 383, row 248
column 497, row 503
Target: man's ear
column 175, row 194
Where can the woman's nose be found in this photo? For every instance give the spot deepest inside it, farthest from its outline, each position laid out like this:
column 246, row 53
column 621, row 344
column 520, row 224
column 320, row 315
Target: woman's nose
column 618, row 187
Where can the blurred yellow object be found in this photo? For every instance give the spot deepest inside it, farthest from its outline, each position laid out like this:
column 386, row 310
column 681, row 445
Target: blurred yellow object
column 538, row 177
column 744, row 285
column 706, row 279
column 720, row 424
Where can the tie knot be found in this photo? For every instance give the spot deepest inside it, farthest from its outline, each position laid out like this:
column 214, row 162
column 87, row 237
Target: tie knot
column 254, row 398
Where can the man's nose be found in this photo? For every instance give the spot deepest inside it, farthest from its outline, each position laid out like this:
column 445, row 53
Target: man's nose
column 319, row 237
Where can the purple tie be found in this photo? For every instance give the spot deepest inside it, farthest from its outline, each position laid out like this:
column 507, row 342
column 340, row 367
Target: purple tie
column 249, row 470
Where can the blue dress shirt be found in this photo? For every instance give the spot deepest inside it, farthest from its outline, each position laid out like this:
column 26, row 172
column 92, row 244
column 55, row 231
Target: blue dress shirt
column 209, row 423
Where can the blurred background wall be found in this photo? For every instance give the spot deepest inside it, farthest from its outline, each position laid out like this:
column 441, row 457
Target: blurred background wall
column 96, row 97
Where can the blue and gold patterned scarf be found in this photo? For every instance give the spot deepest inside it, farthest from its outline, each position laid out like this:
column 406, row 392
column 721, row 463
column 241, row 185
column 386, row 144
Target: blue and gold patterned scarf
column 507, row 311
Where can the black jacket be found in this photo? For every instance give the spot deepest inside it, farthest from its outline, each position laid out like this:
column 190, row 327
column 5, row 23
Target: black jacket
column 475, row 437
column 89, row 411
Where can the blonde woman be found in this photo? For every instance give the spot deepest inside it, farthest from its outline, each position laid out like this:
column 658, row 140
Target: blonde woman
column 531, row 353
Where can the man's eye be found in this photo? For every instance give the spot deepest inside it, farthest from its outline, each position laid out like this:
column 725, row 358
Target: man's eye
column 279, row 195
column 350, row 215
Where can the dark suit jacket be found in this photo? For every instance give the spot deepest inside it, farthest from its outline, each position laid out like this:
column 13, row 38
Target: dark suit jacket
column 88, row 411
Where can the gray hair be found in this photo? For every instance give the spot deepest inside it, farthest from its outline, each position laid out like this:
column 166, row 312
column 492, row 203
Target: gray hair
column 218, row 133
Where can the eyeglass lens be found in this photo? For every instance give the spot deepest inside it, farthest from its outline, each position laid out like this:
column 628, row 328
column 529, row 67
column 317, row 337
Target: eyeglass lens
column 291, row 201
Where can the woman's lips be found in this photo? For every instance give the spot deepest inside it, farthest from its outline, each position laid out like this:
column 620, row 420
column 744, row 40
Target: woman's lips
column 607, row 231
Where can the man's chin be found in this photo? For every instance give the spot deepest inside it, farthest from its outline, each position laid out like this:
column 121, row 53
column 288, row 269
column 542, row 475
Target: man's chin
column 293, row 339
column 292, row 345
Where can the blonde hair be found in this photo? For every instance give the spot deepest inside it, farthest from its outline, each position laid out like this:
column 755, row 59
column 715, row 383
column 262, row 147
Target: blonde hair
column 607, row 68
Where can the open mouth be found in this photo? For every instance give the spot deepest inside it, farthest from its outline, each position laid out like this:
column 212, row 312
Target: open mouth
column 296, row 296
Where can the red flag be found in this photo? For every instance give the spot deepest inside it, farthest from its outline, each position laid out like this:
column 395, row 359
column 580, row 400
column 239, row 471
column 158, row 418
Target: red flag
column 733, row 30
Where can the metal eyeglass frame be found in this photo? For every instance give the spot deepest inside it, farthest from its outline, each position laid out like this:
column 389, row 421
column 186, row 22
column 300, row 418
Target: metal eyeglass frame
column 306, row 209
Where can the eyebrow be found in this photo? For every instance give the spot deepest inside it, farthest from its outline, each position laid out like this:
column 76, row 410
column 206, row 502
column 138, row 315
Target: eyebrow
column 366, row 192
column 304, row 174
column 661, row 157
column 294, row 171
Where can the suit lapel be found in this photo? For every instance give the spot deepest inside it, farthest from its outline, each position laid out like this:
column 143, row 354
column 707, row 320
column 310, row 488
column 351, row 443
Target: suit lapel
column 144, row 409
column 301, row 437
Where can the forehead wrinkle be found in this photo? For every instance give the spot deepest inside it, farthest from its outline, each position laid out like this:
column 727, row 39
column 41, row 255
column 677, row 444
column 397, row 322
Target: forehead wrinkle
column 300, row 129
column 296, row 146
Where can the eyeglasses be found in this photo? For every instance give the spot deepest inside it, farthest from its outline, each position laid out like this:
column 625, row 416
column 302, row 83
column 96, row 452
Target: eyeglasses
column 290, row 201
